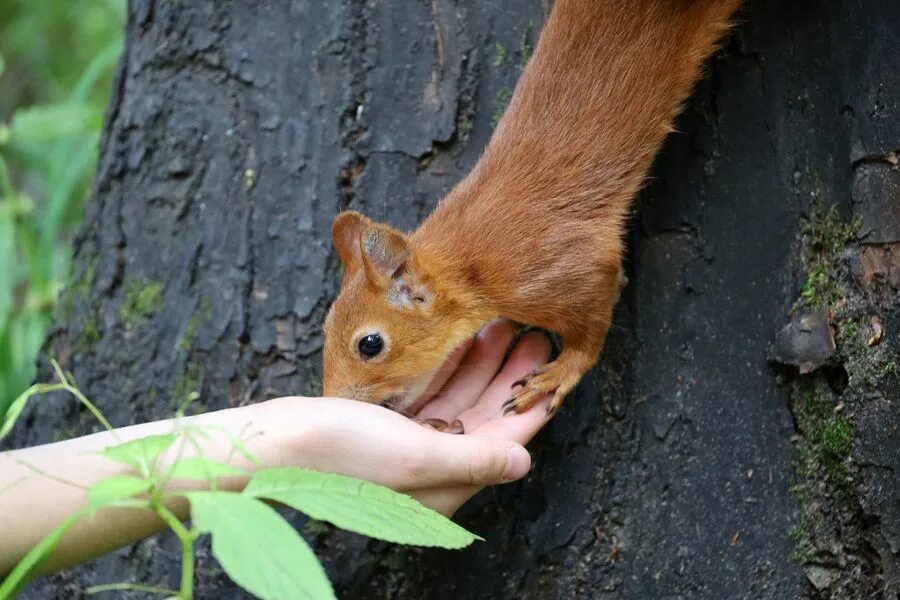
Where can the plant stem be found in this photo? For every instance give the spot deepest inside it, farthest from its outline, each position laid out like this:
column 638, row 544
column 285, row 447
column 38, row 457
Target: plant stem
column 135, row 587
column 187, row 568
column 82, row 398
column 31, row 467
column 91, row 407
column 187, row 539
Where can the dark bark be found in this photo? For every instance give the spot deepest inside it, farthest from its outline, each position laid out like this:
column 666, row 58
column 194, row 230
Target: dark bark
column 238, row 130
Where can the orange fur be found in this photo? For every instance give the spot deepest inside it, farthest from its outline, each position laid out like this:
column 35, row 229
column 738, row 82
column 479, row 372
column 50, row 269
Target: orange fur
column 534, row 233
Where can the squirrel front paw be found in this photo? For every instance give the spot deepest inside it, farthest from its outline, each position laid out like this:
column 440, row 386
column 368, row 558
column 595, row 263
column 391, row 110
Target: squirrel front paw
column 557, row 378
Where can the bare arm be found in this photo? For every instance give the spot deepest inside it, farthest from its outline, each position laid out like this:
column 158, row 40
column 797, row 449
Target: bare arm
column 41, row 486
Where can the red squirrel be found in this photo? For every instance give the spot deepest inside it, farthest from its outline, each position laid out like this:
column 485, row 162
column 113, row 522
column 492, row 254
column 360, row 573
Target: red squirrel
column 535, row 232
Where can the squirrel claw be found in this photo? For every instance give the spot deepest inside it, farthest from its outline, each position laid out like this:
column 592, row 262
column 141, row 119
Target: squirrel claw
column 554, row 405
column 552, row 379
column 524, row 397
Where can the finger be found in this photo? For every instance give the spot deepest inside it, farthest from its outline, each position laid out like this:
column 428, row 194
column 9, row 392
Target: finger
column 440, row 377
column 519, row 427
column 474, row 374
column 532, row 351
column 453, row 460
column 446, row 500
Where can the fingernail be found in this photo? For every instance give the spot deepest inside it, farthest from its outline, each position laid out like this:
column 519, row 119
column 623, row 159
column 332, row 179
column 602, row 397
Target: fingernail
column 438, row 424
column 518, row 461
column 456, row 427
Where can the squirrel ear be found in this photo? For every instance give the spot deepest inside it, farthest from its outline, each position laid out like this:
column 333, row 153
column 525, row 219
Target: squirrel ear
column 384, row 251
column 346, row 231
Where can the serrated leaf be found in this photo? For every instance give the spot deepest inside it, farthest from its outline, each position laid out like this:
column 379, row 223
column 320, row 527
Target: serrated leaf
column 202, row 468
column 115, row 488
column 360, row 506
column 258, row 549
column 140, row 452
column 35, row 557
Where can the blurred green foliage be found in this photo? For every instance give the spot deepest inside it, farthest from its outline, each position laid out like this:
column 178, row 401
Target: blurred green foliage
column 57, row 59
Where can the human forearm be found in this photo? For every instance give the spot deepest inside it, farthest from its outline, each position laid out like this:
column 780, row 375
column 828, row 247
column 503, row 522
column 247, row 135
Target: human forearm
column 41, row 486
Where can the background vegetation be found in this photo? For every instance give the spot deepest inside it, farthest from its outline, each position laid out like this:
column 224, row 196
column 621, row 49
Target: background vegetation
column 56, row 64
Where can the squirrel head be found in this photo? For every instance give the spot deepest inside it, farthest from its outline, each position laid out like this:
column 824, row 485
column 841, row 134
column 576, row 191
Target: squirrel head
column 393, row 323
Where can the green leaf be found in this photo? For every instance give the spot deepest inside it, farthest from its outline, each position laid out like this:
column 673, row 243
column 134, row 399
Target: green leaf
column 202, row 468
column 359, row 506
column 116, row 488
column 7, row 258
column 36, row 124
column 102, row 62
column 35, row 557
column 15, row 409
column 18, row 405
column 140, row 452
column 77, row 161
column 258, row 549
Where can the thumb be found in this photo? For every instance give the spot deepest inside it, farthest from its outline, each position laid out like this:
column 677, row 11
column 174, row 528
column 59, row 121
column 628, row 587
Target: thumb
column 474, row 460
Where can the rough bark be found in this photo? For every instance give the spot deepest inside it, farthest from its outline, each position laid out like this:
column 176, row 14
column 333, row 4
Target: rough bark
column 237, row 130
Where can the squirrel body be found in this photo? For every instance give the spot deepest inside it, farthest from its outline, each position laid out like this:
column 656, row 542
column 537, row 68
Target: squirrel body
column 535, row 232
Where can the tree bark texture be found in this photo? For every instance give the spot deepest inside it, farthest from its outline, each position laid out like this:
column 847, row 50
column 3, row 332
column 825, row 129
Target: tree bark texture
column 238, row 130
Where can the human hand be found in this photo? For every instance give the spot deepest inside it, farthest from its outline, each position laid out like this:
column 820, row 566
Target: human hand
column 439, row 469
column 471, row 388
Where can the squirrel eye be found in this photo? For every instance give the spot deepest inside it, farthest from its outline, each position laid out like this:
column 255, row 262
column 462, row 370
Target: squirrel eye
column 370, row 345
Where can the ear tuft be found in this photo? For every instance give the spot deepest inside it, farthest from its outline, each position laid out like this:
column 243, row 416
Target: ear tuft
column 384, row 250
column 345, row 232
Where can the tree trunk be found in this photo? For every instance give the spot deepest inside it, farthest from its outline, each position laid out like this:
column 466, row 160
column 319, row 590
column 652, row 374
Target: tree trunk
column 238, row 130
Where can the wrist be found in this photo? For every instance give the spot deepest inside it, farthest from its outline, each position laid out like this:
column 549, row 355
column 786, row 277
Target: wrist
column 279, row 432
column 248, row 438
